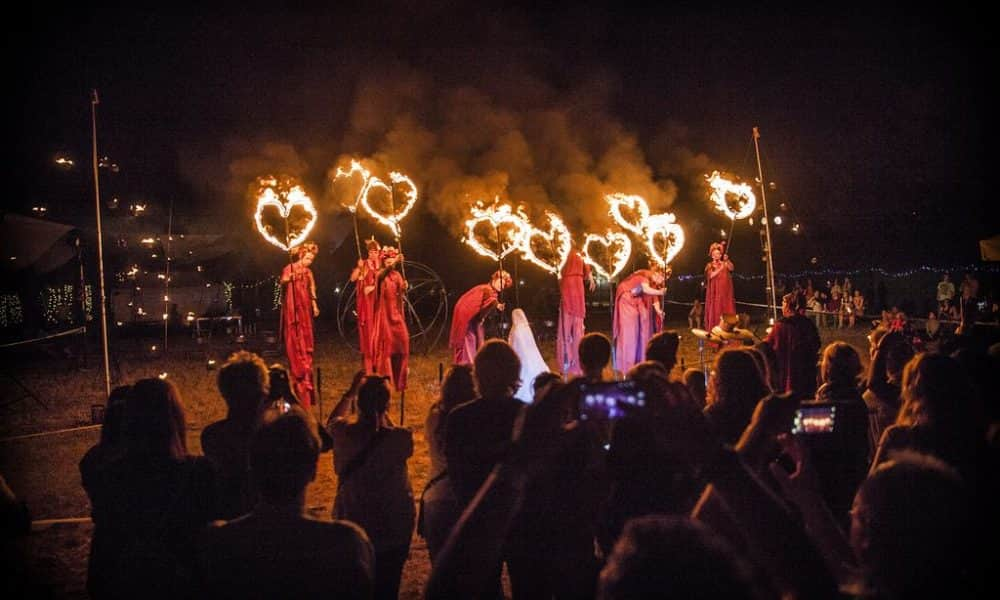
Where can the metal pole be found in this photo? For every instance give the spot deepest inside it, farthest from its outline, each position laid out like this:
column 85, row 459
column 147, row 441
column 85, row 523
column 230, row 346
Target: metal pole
column 166, row 279
column 767, row 231
column 94, row 101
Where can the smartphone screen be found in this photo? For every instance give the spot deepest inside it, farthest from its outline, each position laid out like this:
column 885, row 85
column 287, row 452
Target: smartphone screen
column 817, row 418
column 610, row 400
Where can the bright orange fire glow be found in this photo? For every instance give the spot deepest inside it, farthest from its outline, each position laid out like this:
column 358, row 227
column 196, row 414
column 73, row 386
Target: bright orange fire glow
column 270, row 194
column 617, row 249
column 723, row 188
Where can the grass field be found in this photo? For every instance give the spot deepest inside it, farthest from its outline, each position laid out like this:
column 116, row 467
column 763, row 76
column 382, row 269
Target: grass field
column 41, row 466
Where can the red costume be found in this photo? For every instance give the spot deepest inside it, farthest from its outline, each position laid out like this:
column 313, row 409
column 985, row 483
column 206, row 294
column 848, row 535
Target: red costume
column 634, row 322
column 719, row 297
column 796, row 344
column 390, row 336
column 572, row 311
column 467, row 322
column 365, row 307
column 297, row 306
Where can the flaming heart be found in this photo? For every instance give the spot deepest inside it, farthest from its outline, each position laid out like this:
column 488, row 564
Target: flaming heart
column 744, row 197
column 509, row 227
column 636, row 204
column 615, row 260
column 365, row 176
column 662, row 227
column 557, row 241
column 294, row 197
column 396, row 214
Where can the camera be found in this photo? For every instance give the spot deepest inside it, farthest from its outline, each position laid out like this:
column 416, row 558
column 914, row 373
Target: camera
column 608, row 401
column 815, row 418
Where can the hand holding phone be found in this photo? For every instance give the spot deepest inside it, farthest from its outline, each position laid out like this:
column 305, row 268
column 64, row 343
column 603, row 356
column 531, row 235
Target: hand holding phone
column 611, row 400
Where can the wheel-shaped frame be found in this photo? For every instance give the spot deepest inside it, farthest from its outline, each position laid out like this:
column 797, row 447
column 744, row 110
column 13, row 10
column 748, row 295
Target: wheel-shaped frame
column 426, row 308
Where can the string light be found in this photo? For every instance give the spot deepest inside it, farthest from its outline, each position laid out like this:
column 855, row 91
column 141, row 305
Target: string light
column 10, row 310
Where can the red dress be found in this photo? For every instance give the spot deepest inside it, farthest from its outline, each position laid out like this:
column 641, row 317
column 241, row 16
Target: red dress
column 572, row 311
column 365, row 308
column 467, row 322
column 297, row 325
column 719, row 298
column 634, row 322
column 390, row 336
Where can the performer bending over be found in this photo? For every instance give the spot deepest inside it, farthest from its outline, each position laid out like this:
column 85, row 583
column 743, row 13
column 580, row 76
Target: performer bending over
column 572, row 311
column 636, row 299
column 390, row 336
column 719, row 299
column 298, row 307
column 467, row 333
column 363, row 277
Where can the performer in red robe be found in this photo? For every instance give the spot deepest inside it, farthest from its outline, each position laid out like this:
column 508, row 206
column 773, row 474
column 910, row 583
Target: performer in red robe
column 719, row 298
column 298, row 307
column 796, row 345
column 572, row 311
column 390, row 336
column 364, row 298
column 636, row 299
column 467, row 333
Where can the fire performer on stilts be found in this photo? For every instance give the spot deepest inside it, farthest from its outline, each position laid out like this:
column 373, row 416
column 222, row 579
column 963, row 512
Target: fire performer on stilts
column 572, row 310
column 390, row 335
column 298, row 307
column 467, row 333
column 364, row 278
column 719, row 297
column 636, row 298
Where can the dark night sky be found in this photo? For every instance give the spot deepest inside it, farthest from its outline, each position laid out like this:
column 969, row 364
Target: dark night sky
column 873, row 124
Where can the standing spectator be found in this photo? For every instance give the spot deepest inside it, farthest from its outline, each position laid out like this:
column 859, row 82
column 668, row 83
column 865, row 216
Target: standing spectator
column 243, row 381
column 857, row 307
column 890, row 352
column 796, row 344
column 695, row 315
column 373, row 485
column 272, row 552
column 150, row 504
column 945, row 290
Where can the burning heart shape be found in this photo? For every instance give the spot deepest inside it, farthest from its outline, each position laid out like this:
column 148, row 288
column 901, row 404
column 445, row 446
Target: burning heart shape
column 504, row 225
column 635, row 205
column 664, row 238
column 556, row 241
column 741, row 193
column 617, row 248
column 395, row 214
column 294, row 197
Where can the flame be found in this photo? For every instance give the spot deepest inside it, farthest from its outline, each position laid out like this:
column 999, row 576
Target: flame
column 293, row 196
column 365, row 178
column 721, row 188
column 392, row 219
column 557, row 238
column 633, row 202
column 673, row 235
column 618, row 259
column 496, row 215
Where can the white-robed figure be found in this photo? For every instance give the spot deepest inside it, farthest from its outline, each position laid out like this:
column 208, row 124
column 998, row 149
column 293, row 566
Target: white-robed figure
column 522, row 340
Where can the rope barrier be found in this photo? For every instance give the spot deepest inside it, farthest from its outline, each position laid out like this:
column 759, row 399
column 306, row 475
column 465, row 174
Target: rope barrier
column 45, row 337
column 44, row 433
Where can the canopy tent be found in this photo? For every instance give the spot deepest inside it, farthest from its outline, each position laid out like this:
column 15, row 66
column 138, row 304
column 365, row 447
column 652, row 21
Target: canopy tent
column 36, row 244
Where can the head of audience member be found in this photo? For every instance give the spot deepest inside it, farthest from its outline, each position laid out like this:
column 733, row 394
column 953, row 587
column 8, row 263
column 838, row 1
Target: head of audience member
column 840, row 365
column 674, row 557
column 793, row 304
column 283, row 454
column 244, row 381
column 694, row 379
column 542, row 380
column 457, row 387
column 595, row 354
column 114, row 416
column 735, row 388
column 662, row 348
column 497, row 370
column 937, row 393
column 911, row 527
column 373, row 399
column 280, row 385
column 896, row 351
column 155, row 426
